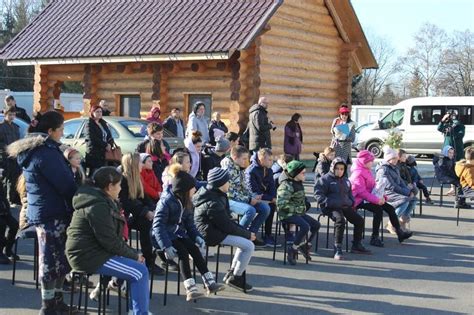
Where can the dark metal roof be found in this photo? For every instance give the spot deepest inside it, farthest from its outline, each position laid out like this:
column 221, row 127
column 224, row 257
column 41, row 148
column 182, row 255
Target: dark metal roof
column 110, row 28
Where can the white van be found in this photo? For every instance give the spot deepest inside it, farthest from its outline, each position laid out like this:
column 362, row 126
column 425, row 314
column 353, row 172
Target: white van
column 418, row 119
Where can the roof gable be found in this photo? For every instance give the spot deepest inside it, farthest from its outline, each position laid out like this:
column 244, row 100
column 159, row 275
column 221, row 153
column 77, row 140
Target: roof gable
column 111, row 28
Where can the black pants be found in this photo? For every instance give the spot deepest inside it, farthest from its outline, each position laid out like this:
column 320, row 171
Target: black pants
column 11, row 173
column 7, row 241
column 186, row 247
column 144, row 227
column 377, row 210
column 423, row 188
column 306, row 224
column 340, row 223
column 269, row 220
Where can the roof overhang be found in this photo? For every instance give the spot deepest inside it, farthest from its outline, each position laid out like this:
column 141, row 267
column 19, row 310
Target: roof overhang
column 351, row 31
column 123, row 59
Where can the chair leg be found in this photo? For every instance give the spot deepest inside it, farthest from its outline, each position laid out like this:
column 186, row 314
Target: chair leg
column 165, row 293
column 274, row 240
column 347, row 237
column 127, row 297
column 327, row 234
column 100, row 296
column 381, row 228
column 152, row 277
column 86, row 295
column 14, row 263
column 71, row 297
column 81, row 282
column 421, row 203
column 317, row 236
column 363, row 231
column 244, row 275
column 120, row 299
column 179, row 280
column 285, row 247
column 441, row 196
column 36, row 259
column 217, row 260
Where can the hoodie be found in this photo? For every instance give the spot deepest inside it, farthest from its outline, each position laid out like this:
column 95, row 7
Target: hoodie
column 363, row 183
column 195, row 157
column 334, row 193
column 198, row 123
column 260, row 180
column 291, row 199
column 50, row 183
column 465, row 171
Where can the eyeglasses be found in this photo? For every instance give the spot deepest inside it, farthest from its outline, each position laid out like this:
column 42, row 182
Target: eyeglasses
column 344, row 114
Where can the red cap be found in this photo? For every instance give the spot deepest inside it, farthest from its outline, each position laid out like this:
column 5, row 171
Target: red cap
column 344, row 109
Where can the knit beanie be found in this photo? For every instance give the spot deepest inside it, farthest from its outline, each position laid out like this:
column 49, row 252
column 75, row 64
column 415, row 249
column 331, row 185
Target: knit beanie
column 389, row 153
column 217, row 177
column 144, row 156
column 294, row 168
column 222, row 145
column 365, row 156
column 182, row 182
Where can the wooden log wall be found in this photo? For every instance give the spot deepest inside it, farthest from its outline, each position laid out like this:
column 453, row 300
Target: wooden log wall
column 250, row 82
column 215, row 78
column 300, row 71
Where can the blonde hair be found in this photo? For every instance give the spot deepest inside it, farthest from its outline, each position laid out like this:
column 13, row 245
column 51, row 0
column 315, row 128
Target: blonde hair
column 173, row 169
column 21, row 186
column 131, row 172
column 80, row 169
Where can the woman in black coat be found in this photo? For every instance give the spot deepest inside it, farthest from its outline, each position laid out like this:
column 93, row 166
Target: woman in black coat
column 98, row 140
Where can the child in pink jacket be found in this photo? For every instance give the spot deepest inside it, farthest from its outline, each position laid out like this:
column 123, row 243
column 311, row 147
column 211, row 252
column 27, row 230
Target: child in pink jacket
column 370, row 197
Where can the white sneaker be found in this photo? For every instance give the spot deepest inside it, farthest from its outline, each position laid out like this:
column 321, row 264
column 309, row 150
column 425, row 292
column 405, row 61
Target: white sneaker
column 94, row 295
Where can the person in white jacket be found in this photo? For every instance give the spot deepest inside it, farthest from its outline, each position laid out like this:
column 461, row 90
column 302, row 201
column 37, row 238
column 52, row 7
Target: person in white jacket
column 198, row 121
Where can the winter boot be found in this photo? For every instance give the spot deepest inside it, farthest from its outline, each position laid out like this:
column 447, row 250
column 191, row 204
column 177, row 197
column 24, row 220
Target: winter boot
column 210, row 283
column 402, row 235
column 304, row 249
column 338, row 252
column 237, row 282
column 60, row 306
column 291, row 255
column 48, row 307
column 191, row 290
column 358, row 248
column 376, row 241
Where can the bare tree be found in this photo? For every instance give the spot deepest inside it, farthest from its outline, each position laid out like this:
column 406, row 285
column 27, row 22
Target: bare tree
column 372, row 82
column 426, row 57
column 457, row 76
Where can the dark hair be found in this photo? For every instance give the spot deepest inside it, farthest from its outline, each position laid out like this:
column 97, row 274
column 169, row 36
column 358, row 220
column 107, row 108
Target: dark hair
column 9, row 109
column 232, row 136
column 196, row 136
column 105, row 176
column 44, row 122
column 295, row 117
column 9, row 98
column 176, row 109
column 401, row 152
column 287, row 158
column 238, row 151
column 197, row 105
column 153, row 128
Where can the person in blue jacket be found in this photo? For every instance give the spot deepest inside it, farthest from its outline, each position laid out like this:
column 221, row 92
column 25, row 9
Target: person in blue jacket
column 50, row 187
column 175, row 233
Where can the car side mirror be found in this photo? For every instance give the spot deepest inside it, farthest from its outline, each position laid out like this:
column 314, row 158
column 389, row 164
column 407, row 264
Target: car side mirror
column 379, row 124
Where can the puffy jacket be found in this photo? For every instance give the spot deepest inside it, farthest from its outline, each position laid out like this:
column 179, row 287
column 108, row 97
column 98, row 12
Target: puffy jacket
column 238, row 191
column 465, row 171
column 172, row 221
column 198, row 123
column 260, row 180
column 95, row 232
column 151, row 185
column 396, row 190
column 277, row 170
column 209, row 160
column 405, row 172
column 49, row 180
column 259, row 128
column 444, row 169
column 363, row 183
column 171, row 125
column 212, row 216
column 291, row 199
column 333, row 193
column 95, row 144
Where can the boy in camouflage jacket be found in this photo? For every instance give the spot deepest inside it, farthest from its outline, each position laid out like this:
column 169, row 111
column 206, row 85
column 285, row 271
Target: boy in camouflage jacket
column 292, row 206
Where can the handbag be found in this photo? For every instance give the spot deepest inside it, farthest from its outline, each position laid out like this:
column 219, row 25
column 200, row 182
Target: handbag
column 115, row 154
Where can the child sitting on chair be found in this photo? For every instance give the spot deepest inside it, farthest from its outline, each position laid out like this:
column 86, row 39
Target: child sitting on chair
column 416, row 178
column 292, row 206
column 465, row 170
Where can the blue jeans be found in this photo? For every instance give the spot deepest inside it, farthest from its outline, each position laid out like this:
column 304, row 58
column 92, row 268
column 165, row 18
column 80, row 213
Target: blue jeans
column 406, row 208
column 305, row 224
column 137, row 276
column 249, row 220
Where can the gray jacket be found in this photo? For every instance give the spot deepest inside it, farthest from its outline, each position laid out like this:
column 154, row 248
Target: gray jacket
column 396, row 190
column 198, row 123
column 259, row 128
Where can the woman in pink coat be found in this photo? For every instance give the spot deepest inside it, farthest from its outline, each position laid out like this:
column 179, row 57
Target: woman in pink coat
column 370, row 196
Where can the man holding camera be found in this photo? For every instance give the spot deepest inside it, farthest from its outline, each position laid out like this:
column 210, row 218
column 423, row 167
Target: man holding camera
column 260, row 126
column 453, row 131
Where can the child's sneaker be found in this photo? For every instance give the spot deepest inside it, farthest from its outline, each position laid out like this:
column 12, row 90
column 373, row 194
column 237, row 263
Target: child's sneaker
column 376, row 241
column 338, row 253
column 428, row 201
column 291, row 255
column 237, row 282
column 358, row 248
column 304, row 249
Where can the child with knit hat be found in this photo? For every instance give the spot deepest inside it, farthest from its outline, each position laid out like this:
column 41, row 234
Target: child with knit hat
column 292, row 206
column 397, row 192
column 213, row 220
column 175, row 233
column 367, row 197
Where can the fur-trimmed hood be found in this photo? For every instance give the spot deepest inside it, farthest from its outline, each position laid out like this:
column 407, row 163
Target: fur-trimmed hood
column 24, row 148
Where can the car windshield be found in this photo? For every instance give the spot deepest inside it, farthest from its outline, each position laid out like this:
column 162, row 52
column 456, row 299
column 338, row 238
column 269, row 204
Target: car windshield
column 136, row 127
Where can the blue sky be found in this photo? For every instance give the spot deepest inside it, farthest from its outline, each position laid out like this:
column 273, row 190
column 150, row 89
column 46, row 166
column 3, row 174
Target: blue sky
column 398, row 20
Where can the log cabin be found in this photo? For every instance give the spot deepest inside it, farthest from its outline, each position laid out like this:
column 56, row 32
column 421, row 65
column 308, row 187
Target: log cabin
column 301, row 54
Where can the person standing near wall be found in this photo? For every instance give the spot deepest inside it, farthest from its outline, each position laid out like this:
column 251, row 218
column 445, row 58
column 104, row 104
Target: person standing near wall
column 343, row 134
column 293, row 137
column 259, row 126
